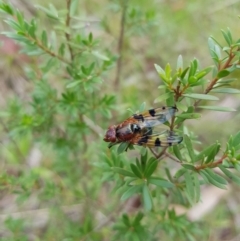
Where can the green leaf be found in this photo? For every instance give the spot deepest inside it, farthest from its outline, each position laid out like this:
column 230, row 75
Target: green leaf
column 230, row 175
column 159, row 70
column 180, row 62
column 100, row 56
column 193, row 69
column 52, row 13
column 196, row 186
column 184, row 73
column 177, row 152
column 181, row 106
column 211, row 179
column 201, row 96
column 73, row 84
column 236, row 166
column 226, row 90
column 136, row 182
column 205, row 152
column 162, row 97
column 130, row 192
column 189, row 116
column 189, row 166
column 223, row 73
column 147, row 198
column 44, row 38
column 180, row 172
column 189, row 186
column 189, row 146
column 168, row 71
column 136, row 171
column 227, row 36
column 150, row 168
column 217, row 108
column 73, row 8
column 236, row 140
column 126, row 220
column 211, row 155
column 123, row 172
column 226, row 81
column 142, row 107
column 122, row 147
column 160, row 182
column 7, row 8
column 203, row 72
column 215, row 176
column 138, row 218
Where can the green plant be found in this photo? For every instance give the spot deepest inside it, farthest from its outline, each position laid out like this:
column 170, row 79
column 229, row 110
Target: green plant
column 69, row 100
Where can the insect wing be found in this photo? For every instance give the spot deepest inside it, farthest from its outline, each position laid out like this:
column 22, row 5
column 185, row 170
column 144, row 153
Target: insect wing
column 155, row 117
column 167, row 138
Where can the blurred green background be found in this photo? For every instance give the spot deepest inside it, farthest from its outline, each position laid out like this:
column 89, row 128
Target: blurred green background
column 155, row 32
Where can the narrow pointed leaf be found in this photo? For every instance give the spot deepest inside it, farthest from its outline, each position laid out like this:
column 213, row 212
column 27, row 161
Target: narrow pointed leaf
column 223, row 73
column 147, row 198
column 136, row 171
column 122, row 147
column 177, row 152
column 189, row 185
column 201, row 96
column 150, row 169
column 189, row 116
column 100, row 56
column 180, row 172
column 211, row 155
column 230, row 174
column 215, row 176
column 73, row 84
column 162, row 97
column 217, row 108
column 226, row 90
column 123, row 172
column 160, row 182
column 205, row 152
column 130, row 192
column 196, row 186
column 189, row 146
column 211, row 180
column 189, row 166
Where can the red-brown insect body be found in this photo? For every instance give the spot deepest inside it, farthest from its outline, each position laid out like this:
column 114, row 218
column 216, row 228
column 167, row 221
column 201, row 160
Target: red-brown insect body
column 121, row 133
column 139, row 129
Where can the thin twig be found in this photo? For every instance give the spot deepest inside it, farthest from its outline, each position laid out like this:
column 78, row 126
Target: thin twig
column 172, row 157
column 214, row 81
column 45, row 49
column 158, row 155
column 212, row 164
column 120, row 46
column 67, row 23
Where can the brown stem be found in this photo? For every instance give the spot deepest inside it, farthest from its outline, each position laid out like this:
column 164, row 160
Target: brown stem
column 158, row 155
column 214, row 81
column 45, row 49
column 120, row 46
column 67, row 23
column 211, row 165
column 172, row 157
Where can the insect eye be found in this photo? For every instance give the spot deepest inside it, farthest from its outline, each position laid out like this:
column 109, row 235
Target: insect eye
column 135, row 128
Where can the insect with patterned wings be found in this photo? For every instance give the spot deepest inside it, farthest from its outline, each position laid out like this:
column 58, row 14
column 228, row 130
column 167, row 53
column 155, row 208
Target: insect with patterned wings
column 139, row 129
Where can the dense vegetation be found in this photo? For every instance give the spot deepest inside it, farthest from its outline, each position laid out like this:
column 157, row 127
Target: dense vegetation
column 75, row 69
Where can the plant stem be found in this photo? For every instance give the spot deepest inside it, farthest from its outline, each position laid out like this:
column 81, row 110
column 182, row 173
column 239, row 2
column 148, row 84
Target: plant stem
column 120, row 45
column 212, row 164
column 67, row 23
